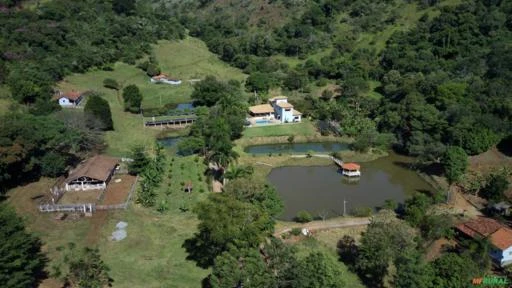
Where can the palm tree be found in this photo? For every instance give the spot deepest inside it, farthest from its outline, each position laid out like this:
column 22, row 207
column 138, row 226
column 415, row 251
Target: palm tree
column 239, row 172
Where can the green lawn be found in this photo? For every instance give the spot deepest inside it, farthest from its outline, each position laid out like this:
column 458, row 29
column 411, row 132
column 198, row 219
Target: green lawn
column 152, row 254
column 185, row 59
column 305, row 128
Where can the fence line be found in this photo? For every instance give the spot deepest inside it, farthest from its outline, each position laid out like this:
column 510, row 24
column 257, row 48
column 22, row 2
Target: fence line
column 88, row 207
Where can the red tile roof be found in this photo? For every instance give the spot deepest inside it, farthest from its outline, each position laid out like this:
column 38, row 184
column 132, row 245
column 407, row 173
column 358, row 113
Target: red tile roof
column 72, row 95
column 482, row 227
column 160, row 76
column 502, row 238
column 350, row 166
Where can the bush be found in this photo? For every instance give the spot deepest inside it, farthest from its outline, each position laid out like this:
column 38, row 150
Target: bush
column 296, row 231
column 291, row 138
column 303, row 217
column 110, row 83
column 362, row 211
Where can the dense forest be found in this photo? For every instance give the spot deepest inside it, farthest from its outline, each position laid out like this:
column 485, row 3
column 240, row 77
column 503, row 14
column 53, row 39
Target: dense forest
column 39, row 46
column 441, row 83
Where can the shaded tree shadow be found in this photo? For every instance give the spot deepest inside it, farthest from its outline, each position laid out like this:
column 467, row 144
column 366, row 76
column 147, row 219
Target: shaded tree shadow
column 505, row 146
column 201, row 250
column 206, row 282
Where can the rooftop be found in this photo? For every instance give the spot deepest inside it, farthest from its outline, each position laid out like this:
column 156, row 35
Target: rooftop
column 260, row 109
column 71, row 95
column 498, row 234
column 284, row 105
column 160, row 76
column 350, row 166
column 480, row 227
column 296, row 113
column 98, row 167
column 277, row 98
column 502, row 238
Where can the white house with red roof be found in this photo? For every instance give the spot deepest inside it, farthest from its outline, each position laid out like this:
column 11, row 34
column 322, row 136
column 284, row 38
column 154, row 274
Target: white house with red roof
column 162, row 78
column 69, row 99
column 498, row 235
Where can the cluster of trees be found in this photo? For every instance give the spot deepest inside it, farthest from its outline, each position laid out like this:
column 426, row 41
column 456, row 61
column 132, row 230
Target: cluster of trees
column 57, row 38
column 22, row 262
column 219, row 122
column 150, row 169
column 231, row 239
column 31, row 146
column 443, row 82
column 391, row 242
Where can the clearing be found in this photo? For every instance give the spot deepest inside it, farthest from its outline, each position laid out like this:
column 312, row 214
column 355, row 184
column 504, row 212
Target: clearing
column 305, row 128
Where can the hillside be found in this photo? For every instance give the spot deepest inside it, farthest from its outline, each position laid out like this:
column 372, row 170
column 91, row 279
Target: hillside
column 416, row 60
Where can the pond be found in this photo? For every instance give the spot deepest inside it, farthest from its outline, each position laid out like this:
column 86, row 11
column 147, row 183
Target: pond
column 169, row 142
column 298, row 148
column 321, row 190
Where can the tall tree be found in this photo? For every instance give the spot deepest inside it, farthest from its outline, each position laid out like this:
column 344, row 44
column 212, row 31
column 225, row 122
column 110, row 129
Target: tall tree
column 132, row 98
column 226, row 222
column 455, row 163
column 21, row 260
column 99, row 108
column 318, row 270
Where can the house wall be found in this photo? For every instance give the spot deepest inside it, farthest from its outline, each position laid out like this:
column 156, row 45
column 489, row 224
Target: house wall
column 262, row 116
column 502, row 257
column 63, row 101
column 297, row 118
column 84, row 186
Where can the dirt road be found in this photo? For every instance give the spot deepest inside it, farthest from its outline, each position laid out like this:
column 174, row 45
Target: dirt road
column 324, row 225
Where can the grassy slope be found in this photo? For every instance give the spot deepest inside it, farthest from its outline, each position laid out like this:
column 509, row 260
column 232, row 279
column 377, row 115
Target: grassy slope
column 185, row 59
column 305, row 128
column 152, row 255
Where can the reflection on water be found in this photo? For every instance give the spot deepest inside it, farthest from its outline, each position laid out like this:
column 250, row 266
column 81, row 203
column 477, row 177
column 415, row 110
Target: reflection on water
column 322, row 189
column 297, row 147
column 169, row 141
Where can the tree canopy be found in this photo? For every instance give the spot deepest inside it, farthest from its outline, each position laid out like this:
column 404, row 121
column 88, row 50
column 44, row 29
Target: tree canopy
column 98, row 109
column 21, row 260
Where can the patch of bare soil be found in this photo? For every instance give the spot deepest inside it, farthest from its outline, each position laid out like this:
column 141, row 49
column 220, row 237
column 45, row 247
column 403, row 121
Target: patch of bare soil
column 98, row 219
column 117, row 191
column 437, row 247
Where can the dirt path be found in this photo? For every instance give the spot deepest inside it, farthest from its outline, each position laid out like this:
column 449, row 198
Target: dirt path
column 325, row 225
column 98, row 219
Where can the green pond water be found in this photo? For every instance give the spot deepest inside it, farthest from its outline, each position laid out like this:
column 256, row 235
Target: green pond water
column 297, row 148
column 321, row 190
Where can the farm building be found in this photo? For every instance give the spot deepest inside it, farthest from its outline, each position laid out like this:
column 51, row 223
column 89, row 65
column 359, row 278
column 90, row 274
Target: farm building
column 69, row 99
column 498, row 235
column 278, row 109
column 162, row 78
column 94, row 173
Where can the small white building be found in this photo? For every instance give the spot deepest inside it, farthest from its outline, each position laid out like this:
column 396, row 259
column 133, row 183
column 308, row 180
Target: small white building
column 95, row 173
column 162, row 78
column 69, row 99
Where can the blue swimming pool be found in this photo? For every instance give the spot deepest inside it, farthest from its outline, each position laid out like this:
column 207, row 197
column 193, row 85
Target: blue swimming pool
column 262, row 121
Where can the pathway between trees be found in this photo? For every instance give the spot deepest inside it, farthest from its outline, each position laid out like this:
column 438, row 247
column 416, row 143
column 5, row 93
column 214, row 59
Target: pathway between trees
column 325, row 225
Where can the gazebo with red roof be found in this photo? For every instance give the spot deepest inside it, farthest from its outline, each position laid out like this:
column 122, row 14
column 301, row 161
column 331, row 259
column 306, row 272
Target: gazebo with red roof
column 351, row 169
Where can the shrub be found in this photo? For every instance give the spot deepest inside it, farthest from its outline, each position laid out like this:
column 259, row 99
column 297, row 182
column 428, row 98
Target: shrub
column 291, row 138
column 295, row 231
column 110, row 83
column 303, row 217
column 362, row 211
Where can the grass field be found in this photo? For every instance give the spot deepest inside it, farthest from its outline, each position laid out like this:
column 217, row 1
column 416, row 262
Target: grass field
column 186, row 59
column 152, row 254
column 305, row 128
